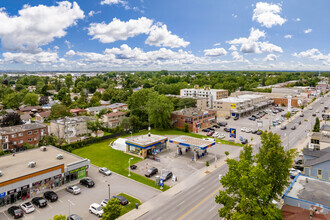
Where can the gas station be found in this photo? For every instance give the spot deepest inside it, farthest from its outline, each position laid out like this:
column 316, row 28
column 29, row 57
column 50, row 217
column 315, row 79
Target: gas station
column 199, row 146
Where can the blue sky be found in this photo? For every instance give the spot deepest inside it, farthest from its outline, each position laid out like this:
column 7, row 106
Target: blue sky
column 173, row 34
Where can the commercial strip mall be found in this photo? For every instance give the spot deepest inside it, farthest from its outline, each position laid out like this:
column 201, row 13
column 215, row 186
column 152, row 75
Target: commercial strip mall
column 30, row 173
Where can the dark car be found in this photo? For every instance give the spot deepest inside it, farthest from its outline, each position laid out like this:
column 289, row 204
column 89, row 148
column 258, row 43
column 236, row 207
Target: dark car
column 211, row 129
column 314, row 114
column 39, row 201
column 122, row 199
column 298, row 161
column 244, row 141
column 228, row 117
column 51, row 196
column 293, row 128
column 283, row 127
column 74, row 217
column 298, row 122
column 226, row 129
column 152, row 171
column 133, row 167
column 236, row 118
column 216, row 126
column 223, row 124
column 252, row 118
column 301, row 115
column 16, row 212
column 254, row 131
column 298, row 167
column 88, row 182
column 259, row 132
column 206, row 130
column 167, row 175
column 210, row 133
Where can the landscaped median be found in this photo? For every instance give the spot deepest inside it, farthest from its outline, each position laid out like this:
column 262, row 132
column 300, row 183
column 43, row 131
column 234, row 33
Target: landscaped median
column 131, row 203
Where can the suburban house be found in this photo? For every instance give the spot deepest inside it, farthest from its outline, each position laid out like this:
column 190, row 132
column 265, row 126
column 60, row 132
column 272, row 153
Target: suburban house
column 101, row 90
column 105, row 103
column 118, row 107
column 42, row 116
column 26, row 118
column 96, row 110
column 29, row 109
column 13, row 137
column 70, row 129
column 77, row 111
column 113, row 119
column 317, row 163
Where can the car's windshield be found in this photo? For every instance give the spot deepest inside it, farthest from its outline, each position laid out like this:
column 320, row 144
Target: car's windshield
column 28, row 204
column 105, row 169
column 42, row 200
column 75, row 188
column 99, row 208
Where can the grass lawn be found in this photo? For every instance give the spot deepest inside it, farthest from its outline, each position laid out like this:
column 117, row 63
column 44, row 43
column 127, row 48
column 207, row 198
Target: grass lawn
column 100, row 154
column 131, row 204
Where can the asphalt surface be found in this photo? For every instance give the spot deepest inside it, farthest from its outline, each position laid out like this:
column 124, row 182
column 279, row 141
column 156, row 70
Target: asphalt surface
column 198, row 201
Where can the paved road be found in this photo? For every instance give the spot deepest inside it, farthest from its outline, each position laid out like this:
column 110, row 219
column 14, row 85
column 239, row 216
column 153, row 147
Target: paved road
column 197, row 202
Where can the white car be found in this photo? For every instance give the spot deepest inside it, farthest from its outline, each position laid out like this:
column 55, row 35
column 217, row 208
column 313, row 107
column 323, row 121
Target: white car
column 248, row 130
column 310, row 108
column 221, row 136
column 27, row 207
column 73, row 189
column 243, row 129
column 96, row 209
column 105, row 171
column 215, row 135
column 104, row 202
column 317, row 111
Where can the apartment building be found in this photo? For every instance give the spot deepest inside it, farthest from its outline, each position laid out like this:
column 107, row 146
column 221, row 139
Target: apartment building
column 322, row 86
column 113, row 119
column 13, row 137
column 195, row 118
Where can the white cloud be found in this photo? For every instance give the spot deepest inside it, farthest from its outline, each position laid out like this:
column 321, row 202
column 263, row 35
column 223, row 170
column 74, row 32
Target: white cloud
column 68, row 44
column 159, row 36
column 270, row 57
column 113, row 2
column 70, row 53
column 314, row 54
column 298, row 19
column 217, row 44
column 237, row 56
column 268, row 14
column 307, row 31
column 288, row 36
column 253, row 45
column 92, row 13
column 232, row 47
column 235, row 16
column 215, row 52
column 26, row 32
column 27, row 58
column 119, row 30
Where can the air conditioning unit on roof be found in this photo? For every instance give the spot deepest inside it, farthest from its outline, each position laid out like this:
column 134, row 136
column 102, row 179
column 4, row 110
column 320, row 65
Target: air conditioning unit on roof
column 0, row 173
column 59, row 156
column 32, row 164
column 43, row 148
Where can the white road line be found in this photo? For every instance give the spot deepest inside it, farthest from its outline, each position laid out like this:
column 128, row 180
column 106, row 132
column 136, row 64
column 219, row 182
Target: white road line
column 50, row 205
column 60, row 201
column 38, row 211
column 212, row 208
column 71, row 202
column 201, row 189
column 181, row 203
column 6, row 215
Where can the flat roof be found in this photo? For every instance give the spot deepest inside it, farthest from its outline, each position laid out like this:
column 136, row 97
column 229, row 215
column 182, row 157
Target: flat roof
column 313, row 190
column 192, row 112
column 145, row 140
column 16, row 166
column 250, row 96
column 192, row 142
column 234, row 99
column 21, row 128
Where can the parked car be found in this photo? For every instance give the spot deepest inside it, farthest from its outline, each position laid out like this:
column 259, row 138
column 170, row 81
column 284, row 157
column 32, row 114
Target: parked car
column 133, row 167
column 221, row 136
column 96, row 209
column 227, row 117
column 310, row 108
column 216, row 126
column 244, row 141
column 105, row 171
column 167, row 175
column 299, row 161
column 211, row 129
column 236, row 118
column 73, row 217
column 16, row 212
column 301, row 115
column 122, row 200
column 206, row 130
column 215, row 135
column 88, row 182
column 298, row 167
column 254, row 131
column 152, row 171
column 243, row 129
column 248, row 130
column 223, row 124
column 317, row 111
column 73, row 189
column 293, row 128
column 104, row 202
column 27, row 207
column 210, row 133
column 39, row 202
column 259, row 132
column 313, row 114
column 226, row 129
column 252, row 118
column 51, row 196
column 298, row 122
column 283, row 127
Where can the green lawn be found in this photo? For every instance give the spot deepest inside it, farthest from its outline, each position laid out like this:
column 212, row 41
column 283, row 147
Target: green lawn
column 131, row 204
column 100, row 154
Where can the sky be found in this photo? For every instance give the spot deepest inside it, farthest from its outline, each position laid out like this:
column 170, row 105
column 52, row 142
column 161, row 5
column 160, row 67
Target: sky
column 133, row 35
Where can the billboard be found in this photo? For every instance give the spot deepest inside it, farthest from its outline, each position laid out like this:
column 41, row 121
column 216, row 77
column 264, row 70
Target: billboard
column 233, row 105
column 232, row 132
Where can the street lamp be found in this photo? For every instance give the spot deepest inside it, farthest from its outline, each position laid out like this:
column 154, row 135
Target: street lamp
column 131, row 133
column 109, row 190
column 129, row 166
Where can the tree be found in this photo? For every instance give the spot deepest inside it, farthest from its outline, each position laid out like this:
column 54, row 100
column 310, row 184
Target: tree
column 94, row 126
column 316, row 127
column 159, row 109
column 48, row 140
column 288, row 115
column 126, row 123
column 253, row 182
column 31, row 99
column 112, row 210
column 13, row 100
column 95, row 101
column 11, row 119
column 102, row 112
column 68, row 80
column 59, row 111
column 59, row 217
column 186, row 127
column 44, row 100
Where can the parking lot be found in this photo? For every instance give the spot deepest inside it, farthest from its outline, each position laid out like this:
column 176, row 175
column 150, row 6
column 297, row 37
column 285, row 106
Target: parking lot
column 79, row 204
column 182, row 166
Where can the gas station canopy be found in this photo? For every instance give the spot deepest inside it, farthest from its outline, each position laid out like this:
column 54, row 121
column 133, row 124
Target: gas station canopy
column 195, row 143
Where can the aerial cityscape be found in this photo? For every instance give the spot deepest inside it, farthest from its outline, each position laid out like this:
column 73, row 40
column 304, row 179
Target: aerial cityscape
column 164, row 110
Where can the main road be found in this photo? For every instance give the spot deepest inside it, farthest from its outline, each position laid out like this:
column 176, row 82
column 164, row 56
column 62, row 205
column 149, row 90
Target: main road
column 198, row 201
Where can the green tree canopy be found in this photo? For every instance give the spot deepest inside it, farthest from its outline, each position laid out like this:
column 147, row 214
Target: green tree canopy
column 159, row 109
column 316, row 127
column 31, row 99
column 253, row 182
column 112, row 210
column 59, row 217
column 59, row 111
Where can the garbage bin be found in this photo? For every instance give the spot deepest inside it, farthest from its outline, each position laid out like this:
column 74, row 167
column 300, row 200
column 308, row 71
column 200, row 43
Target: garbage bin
column 136, row 205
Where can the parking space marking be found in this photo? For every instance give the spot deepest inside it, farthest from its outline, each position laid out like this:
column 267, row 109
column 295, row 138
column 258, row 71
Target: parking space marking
column 71, row 202
column 181, row 203
column 60, row 201
column 38, row 210
column 212, row 208
column 6, row 215
column 50, row 206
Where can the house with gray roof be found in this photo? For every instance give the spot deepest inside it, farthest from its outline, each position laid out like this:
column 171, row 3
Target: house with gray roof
column 317, row 163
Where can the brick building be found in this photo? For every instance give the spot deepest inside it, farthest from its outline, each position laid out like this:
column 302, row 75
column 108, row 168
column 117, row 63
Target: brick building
column 14, row 137
column 194, row 117
column 113, row 119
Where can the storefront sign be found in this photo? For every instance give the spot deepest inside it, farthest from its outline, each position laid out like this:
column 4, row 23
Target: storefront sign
column 2, row 194
column 81, row 174
column 233, row 105
column 76, row 170
column 11, row 191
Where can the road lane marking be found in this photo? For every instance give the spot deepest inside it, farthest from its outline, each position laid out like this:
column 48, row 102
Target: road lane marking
column 181, row 203
column 60, row 201
column 71, row 202
column 193, row 208
column 212, row 208
column 201, row 189
column 50, row 206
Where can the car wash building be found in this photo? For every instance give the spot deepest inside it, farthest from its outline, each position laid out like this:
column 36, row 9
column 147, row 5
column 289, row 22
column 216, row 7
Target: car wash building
column 145, row 145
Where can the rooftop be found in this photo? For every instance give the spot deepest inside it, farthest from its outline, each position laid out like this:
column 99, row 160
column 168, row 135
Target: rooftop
column 320, row 156
column 325, row 127
column 146, row 139
column 191, row 112
column 73, row 120
column 21, row 128
column 16, row 166
column 310, row 189
column 196, row 143
column 44, row 114
column 113, row 114
column 116, row 105
column 250, row 96
column 322, row 137
column 234, row 99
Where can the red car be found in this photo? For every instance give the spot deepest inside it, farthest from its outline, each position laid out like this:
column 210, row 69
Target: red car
column 210, row 133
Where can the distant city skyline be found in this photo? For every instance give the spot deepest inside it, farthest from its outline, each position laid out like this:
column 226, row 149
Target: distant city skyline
column 115, row 35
